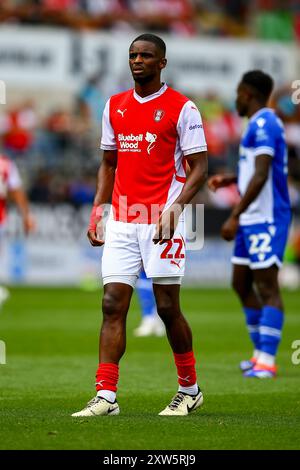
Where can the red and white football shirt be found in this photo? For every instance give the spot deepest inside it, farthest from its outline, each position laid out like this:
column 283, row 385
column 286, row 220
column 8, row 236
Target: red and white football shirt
column 9, row 180
column 152, row 135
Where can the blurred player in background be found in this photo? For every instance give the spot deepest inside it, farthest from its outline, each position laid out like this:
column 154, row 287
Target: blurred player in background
column 11, row 188
column 151, row 324
column 147, row 134
column 260, row 221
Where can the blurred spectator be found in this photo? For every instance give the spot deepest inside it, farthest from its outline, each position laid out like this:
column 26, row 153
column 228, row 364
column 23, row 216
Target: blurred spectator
column 222, row 131
column 60, row 154
column 59, row 127
column 172, row 15
column 40, row 187
column 59, row 5
column 236, row 9
column 17, row 127
column 82, row 191
column 91, row 100
column 273, row 18
column 103, row 7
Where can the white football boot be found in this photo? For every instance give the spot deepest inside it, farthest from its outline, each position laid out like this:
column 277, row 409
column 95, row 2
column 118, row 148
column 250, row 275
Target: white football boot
column 98, row 406
column 183, row 404
column 247, row 365
column 151, row 325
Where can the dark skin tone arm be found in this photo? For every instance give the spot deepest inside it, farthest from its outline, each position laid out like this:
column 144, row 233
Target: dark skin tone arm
column 105, row 185
column 220, row 181
column 262, row 165
column 196, row 178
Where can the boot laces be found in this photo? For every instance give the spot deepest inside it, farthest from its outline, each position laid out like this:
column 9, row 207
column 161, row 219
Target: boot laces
column 176, row 400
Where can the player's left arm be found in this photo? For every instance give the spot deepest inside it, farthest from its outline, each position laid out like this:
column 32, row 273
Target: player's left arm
column 193, row 146
column 257, row 182
column 196, row 177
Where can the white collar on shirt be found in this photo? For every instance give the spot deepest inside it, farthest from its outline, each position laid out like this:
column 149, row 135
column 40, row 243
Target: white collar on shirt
column 150, row 97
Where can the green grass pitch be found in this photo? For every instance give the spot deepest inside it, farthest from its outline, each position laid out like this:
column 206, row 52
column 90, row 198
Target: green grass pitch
column 51, row 337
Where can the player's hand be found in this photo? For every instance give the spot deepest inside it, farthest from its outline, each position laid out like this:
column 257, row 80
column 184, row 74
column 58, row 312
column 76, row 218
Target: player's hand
column 96, row 237
column 95, row 231
column 229, row 228
column 215, row 182
column 29, row 224
column 166, row 225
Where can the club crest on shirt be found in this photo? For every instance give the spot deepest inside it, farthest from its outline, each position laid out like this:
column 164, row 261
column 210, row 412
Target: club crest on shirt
column 158, row 115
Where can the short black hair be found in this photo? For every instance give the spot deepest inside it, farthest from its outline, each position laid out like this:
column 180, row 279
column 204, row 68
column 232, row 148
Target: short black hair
column 261, row 82
column 160, row 44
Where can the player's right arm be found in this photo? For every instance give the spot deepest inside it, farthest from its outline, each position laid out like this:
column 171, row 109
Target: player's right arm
column 105, row 185
column 105, row 178
column 220, row 181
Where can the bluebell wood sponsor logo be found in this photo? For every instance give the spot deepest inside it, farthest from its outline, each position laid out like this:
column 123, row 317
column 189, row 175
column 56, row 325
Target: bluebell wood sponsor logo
column 130, row 142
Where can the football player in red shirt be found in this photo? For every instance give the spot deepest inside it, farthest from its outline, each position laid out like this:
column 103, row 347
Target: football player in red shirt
column 148, row 135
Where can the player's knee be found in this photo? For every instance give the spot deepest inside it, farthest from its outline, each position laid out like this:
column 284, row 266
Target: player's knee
column 113, row 305
column 239, row 288
column 166, row 311
column 235, row 285
column 268, row 293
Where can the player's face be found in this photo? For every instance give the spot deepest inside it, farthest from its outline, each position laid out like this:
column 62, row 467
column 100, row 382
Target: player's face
column 145, row 61
column 242, row 100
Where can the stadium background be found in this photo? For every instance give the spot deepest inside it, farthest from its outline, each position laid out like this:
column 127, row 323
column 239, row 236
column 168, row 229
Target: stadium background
column 60, row 60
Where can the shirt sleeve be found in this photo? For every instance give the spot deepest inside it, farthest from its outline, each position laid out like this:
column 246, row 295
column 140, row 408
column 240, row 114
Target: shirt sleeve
column 108, row 140
column 190, row 130
column 264, row 138
column 14, row 180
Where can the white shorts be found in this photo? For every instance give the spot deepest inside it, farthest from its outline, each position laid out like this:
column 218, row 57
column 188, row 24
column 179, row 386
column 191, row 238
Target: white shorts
column 128, row 246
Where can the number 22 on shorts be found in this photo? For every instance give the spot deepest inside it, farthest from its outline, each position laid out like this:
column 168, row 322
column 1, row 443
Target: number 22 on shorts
column 176, row 242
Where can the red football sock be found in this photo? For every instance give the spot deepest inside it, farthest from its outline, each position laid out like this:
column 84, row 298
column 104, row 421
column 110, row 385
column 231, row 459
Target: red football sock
column 107, row 377
column 186, row 371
